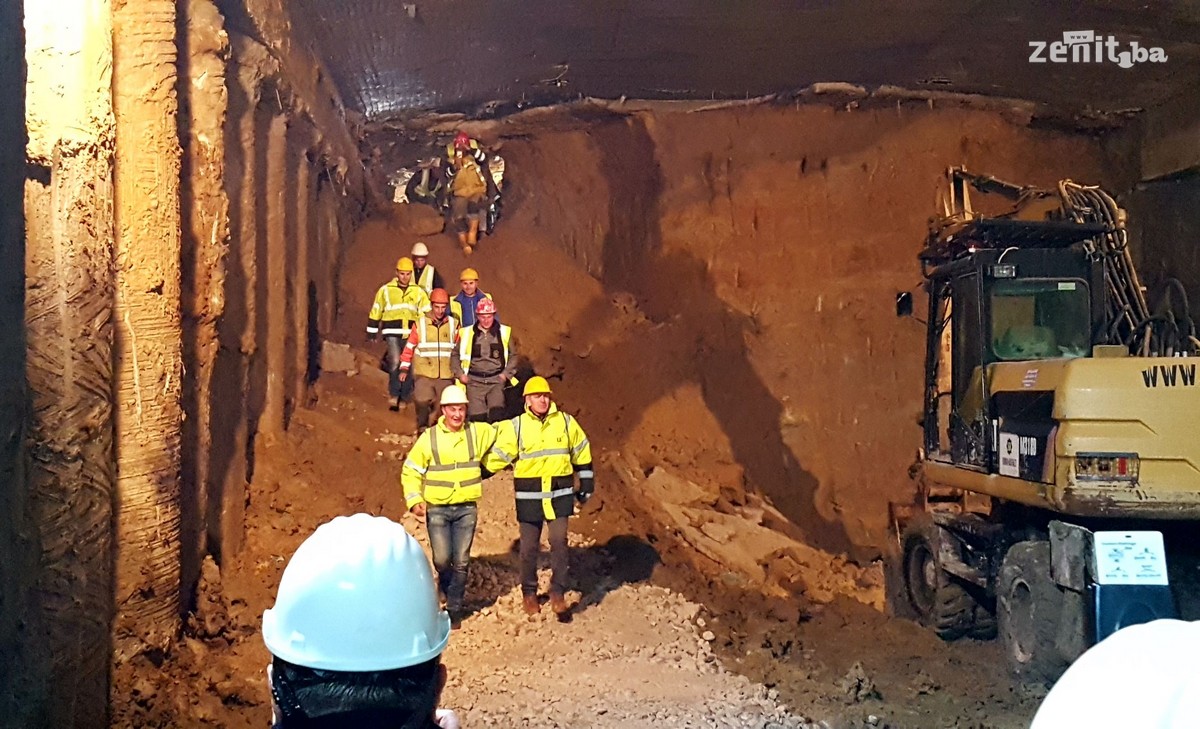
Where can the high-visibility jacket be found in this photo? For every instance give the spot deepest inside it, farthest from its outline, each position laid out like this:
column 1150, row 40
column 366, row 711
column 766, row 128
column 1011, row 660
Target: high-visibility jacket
column 442, row 467
column 462, row 307
column 429, row 347
column 546, row 453
column 396, row 309
column 466, row 342
column 429, row 279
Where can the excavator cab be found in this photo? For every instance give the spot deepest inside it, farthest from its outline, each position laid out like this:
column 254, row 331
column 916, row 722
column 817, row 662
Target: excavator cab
column 1057, row 428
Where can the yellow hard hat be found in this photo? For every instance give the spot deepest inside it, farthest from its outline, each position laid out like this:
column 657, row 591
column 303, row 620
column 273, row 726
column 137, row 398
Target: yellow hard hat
column 469, row 274
column 404, row 264
column 536, row 385
column 453, row 395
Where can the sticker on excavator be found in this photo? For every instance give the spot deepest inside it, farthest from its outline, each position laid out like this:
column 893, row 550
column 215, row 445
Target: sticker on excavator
column 1130, row 558
column 1010, row 455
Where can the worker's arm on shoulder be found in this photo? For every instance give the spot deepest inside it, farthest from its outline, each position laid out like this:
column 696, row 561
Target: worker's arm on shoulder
column 485, row 438
column 504, row 448
column 412, row 475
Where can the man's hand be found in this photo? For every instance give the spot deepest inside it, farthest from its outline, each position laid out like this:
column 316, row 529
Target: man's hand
column 403, row 375
column 418, row 510
column 372, row 337
column 462, row 379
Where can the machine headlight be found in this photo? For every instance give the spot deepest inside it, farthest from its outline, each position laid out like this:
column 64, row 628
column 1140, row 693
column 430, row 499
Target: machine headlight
column 1107, row 467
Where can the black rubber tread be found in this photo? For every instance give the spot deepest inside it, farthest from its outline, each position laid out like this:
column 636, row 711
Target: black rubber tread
column 1028, row 610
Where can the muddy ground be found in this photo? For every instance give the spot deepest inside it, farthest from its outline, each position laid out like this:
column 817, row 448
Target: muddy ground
column 698, row 600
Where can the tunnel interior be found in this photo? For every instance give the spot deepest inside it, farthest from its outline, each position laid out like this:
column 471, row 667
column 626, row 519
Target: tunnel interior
column 707, row 214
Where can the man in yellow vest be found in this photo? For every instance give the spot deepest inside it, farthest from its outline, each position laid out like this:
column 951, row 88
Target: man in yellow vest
column 548, row 450
column 485, row 363
column 427, row 355
column 425, row 275
column 398, row 305
column 442, row 484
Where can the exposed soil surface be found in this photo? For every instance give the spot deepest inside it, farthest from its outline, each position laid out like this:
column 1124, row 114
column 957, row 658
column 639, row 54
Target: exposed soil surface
column 698, row 603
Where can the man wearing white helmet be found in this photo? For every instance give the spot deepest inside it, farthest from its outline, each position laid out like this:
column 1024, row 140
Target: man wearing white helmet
column 424, row 273
column 442, row 484
column 356, row 634
column 1143, row 676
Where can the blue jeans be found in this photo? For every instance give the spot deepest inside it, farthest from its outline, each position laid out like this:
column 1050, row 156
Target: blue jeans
column 396, row 388
column 451, row 530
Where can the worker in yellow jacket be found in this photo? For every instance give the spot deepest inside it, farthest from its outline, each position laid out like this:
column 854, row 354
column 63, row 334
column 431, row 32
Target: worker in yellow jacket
column 442, row 484
column 548, row 451
column 399, row 303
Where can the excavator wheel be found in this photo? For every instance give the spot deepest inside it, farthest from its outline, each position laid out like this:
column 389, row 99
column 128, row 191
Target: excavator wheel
column 1028, row 607
column 935, row 598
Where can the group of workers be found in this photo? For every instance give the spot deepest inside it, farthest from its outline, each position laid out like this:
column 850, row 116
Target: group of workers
column 464, row 185
column 458, row 359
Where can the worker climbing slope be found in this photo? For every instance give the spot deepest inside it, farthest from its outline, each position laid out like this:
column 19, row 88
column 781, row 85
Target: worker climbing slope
column 427, row 357
column 484, row 361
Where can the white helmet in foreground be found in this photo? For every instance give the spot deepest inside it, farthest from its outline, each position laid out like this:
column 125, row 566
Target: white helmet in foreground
column 1143, row 676
column 358, row 595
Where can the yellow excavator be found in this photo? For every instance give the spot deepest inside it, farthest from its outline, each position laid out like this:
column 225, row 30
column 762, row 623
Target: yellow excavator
column 1060, row 428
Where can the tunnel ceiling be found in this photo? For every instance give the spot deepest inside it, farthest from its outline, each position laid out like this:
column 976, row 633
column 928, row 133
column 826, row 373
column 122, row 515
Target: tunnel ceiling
column 389, row 57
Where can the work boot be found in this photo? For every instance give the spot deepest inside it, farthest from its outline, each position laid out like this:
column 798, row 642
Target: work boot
column 531, row 605
column 473, row 233
column 456, row 616
column 559, row 605
column 394, row 403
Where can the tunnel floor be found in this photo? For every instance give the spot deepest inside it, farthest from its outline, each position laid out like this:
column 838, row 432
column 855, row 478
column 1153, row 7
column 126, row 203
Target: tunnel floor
column 665, row 626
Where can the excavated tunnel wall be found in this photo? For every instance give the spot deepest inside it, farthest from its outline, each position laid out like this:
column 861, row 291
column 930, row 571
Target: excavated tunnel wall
column 188, row 180
column 764, row 246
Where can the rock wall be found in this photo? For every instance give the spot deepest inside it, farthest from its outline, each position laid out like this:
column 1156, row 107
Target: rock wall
column 763, row 248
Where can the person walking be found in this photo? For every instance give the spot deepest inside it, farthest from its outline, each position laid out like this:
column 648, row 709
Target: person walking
column 548, row 451
column 424, row 274
column 462, row 306
column 398, row 305
column 442, row 484
column 426, row 357
column 485, row 363
column 356, row 636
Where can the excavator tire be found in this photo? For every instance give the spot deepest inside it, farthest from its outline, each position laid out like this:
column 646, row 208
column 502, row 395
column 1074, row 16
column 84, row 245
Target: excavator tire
column 937, row 600
column 1028, row 607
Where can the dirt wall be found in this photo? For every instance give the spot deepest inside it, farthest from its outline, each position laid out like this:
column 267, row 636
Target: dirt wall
column 69, row 280
column 19, row 670
column 762, row 248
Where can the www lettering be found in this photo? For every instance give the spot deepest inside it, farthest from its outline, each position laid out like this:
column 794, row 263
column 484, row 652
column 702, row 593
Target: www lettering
column 1170, row 376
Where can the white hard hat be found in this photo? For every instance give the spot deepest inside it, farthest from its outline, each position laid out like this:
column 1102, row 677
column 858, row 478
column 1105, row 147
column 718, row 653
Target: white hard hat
column 453, row 395
column 1142, row 676
column 419, row 249
column 358, row 595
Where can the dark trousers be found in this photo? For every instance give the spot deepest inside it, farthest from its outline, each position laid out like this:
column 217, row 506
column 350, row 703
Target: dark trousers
column 451, row 531
column 531, row 537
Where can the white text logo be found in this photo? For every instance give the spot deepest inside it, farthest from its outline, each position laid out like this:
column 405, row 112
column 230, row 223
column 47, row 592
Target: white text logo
column 1084, row 46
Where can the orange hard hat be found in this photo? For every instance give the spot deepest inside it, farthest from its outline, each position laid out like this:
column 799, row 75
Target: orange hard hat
column 439, row 296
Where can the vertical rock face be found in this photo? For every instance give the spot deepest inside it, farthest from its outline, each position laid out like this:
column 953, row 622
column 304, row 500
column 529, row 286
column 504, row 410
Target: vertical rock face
column 149, row 357
column 204, row 208
column 64, row 662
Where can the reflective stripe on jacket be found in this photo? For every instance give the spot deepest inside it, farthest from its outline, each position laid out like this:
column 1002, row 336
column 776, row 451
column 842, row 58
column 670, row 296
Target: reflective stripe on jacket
column 443, row 465
column 429, row 347
column 396, row 309
column 545, row 453
column 466, row 342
